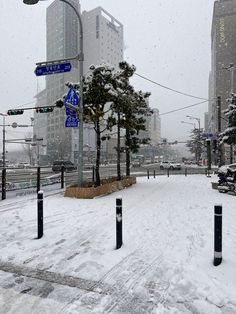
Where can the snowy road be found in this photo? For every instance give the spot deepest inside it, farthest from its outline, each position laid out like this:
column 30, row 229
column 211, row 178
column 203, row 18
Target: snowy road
column 164, row 266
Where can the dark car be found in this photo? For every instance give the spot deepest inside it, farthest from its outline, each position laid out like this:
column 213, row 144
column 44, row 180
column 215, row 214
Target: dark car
column 68, row 165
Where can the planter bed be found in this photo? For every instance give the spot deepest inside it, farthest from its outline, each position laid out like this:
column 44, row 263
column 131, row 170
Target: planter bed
column 89, row 190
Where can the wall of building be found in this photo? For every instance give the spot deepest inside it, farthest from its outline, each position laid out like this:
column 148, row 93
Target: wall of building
column 223, row 53
column 103, row 38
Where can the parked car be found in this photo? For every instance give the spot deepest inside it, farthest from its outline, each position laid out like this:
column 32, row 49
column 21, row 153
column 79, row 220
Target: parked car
column 68, row 165
column 170, row 165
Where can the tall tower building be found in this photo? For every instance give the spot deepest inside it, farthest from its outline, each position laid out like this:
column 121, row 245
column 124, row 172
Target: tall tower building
column 223, row 48
column 62, row 42
column 103, row 42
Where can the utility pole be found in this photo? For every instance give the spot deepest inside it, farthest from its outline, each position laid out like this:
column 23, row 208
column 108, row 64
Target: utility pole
column 208, row 142
column 220, row 146
column 198, row 152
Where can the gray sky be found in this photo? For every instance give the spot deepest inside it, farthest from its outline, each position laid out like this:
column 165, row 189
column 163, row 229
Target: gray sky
column 167, row 40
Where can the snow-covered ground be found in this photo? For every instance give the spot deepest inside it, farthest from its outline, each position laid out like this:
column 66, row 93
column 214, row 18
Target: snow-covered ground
column 164, row 267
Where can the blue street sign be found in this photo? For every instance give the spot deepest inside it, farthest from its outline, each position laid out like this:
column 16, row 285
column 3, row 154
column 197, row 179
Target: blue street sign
column 52, row 69
column 71, row 122
column 210, row 135
column 73, row 99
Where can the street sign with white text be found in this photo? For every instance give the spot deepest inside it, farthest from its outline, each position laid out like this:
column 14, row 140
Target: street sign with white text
column 52, row 68
column 71, row 122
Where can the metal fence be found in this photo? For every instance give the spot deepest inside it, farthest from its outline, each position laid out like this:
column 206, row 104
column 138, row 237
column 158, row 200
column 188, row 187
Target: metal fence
column 30, row 180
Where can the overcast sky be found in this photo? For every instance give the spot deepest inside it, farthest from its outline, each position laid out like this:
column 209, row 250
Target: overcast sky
column 167, row 40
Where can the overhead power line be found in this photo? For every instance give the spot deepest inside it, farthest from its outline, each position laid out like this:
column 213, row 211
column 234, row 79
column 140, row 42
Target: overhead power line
column 171, row 89
column 199, row 103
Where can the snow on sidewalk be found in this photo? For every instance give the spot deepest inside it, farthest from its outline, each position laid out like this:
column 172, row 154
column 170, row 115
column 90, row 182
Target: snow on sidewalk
column 164, row 266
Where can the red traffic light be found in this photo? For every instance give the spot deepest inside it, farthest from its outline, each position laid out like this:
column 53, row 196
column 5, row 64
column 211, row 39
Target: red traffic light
column 44, row 109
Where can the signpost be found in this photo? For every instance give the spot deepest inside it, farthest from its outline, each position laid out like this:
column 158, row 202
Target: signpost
column 72, row 107
column 208, row 135
column 53, row 68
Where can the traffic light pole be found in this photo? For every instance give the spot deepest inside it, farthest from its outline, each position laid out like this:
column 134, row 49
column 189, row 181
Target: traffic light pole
column 13, row 112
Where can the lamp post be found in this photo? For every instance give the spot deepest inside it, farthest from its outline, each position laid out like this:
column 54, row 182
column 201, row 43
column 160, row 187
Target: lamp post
column 189, row 123
column 199, row 132
column 81, row 59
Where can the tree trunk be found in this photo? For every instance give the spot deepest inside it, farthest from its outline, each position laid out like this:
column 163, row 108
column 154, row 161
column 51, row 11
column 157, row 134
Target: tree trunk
column 97, row 174
column 118, row 148
column 127, row 153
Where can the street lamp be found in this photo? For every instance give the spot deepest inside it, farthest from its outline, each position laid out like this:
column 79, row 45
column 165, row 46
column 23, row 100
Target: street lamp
column 188, row 123
column 199, row 132
column 81, row 59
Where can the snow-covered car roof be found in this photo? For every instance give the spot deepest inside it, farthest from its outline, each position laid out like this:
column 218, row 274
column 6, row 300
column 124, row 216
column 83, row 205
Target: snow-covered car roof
column 223, row 169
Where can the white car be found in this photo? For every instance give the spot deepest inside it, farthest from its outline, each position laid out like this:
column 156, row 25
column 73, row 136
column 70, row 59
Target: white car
column 170, row 165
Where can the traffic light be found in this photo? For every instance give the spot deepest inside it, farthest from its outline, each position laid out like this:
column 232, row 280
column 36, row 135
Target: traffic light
column 13, row 112
column 43, row 109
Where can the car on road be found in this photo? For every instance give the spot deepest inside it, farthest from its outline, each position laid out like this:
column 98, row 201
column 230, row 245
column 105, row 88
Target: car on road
column 67, row 164
column 136, row 163
column 170, row 165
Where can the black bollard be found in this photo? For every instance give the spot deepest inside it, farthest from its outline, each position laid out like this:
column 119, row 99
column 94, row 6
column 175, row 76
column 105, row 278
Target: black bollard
column 4, row 180
column 40, row 214
column 119, row 241
column 154, row 174
column 168, row 172
column 185, row 172
column 218, row 235
column 38, row 179
column 62, row 176
column 148, row 174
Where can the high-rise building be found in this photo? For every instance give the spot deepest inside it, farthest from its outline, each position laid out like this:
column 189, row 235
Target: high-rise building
column 103, row 38
column 61, row 42
column 223, row 48
column 103, row 43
